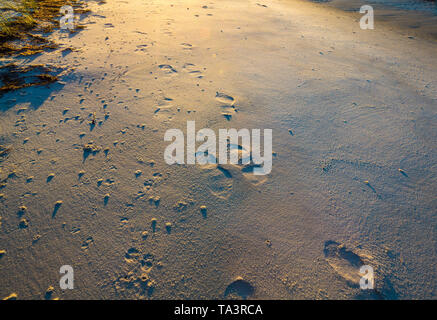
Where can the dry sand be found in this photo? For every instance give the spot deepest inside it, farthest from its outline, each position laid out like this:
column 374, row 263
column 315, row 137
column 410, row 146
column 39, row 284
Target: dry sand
column 360, row 104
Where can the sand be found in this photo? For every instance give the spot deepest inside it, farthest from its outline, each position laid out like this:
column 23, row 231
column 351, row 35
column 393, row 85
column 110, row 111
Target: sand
column 354, row 168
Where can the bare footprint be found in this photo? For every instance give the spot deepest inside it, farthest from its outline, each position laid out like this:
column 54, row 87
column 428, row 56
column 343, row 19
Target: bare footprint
column 345, row 262
column 87, row 243
column 192, row 70
column 227, row 179
column 168, row 69
column 227, row 104
column 224, row 98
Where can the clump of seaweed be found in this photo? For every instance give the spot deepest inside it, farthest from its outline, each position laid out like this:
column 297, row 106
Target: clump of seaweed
column 25, row 23
column 13, row 76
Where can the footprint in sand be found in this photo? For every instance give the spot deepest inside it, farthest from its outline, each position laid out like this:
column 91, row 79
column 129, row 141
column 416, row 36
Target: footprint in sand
column 87, row 243
column 164, row 112
column 132, row 255
column 186, row 46
column 224, row 179
column 345, row 262
column 245, row 166
column 192, row 70
column 227, row 104
column 239, row 289
column 224, row 98
column 168, row 69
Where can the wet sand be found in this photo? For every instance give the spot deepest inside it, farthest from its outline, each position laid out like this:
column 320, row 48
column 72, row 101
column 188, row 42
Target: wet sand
column 84, row 181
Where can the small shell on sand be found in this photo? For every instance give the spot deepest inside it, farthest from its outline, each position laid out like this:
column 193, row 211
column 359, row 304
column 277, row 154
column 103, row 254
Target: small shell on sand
column 2, row 253
column 23, row 208
column 58, row 203
column 144, row 234
column 203, row 209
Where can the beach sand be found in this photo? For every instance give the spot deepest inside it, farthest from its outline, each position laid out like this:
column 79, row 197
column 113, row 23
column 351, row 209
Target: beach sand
column 353, row 112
